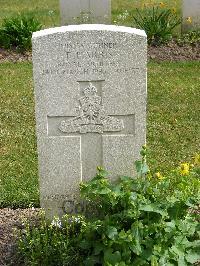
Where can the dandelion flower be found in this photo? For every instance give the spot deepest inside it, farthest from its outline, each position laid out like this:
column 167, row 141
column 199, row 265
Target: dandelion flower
column 159, row 176
column 189, row 20
column 162, row 4
column 184, row 169
column 173, row 10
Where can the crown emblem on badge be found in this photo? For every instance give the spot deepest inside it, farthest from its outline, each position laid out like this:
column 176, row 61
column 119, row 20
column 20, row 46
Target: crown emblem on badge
column 91, row 117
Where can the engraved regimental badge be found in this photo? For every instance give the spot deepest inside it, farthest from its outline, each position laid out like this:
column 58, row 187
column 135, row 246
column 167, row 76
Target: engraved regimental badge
column 91, row 117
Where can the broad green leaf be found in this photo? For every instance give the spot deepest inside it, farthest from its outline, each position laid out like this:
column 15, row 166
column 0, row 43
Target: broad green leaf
column 98, row 248
column 181, row 240
column 179, row 254
column 112, row 232
column 164, row 259
column 153, row 207
column 117, row 190
column 144, row 169
column 85, row 244
column 136, row 247
column 194, row 244
column 112, row 258
column 193, row 257
column 138, row 166
column 170, row 226
column 187, row 226
column 146, row 253
column 181, row 261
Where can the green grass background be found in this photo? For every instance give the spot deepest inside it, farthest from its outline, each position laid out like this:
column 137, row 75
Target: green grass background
column 173, row 125
column 41, row 9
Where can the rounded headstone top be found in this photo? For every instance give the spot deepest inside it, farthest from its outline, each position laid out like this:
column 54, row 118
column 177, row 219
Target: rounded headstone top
column 89, row 27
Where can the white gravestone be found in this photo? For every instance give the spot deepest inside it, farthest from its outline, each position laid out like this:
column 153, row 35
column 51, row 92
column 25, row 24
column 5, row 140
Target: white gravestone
column 191, row 14
column 85, row 11
column 90, row 93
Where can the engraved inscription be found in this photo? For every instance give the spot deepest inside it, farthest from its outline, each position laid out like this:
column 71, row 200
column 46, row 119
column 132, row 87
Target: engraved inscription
column 91, row 58
column 70, row 204
column 71, row 207
column 91, row 117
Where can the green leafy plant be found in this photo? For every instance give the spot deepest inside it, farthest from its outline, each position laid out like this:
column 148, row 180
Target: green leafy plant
column 149, row 220
column 143, row 221
column 49, row 244
column 158, row 23
column 16, row 32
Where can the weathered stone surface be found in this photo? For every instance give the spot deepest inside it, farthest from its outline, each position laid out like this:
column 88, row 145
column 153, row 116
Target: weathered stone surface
column 191, row 14
column 85, row 11
column 90, row 93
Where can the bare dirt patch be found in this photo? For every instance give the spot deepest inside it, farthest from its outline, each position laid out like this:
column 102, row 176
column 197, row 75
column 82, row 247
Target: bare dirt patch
column 171, row 52
column 14, row 56
column 174, row 52
column 9, row 221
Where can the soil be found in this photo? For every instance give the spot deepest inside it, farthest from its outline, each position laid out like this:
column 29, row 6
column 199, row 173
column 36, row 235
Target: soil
column 14, row 56
column 173, row 52
column 170, row 52
column 11, row 219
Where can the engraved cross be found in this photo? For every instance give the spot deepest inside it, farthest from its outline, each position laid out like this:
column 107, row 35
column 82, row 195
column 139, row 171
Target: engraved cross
column 91, row 124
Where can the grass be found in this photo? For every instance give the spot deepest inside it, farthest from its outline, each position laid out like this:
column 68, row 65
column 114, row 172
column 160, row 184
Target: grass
column 37, row 8
column 18, row 159
column 173, row 113
column 41, row 10
column 173, row 125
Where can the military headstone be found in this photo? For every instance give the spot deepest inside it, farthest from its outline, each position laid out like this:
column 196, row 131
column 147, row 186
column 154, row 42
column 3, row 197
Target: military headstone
column 90, row 93
column 85, row 11
column 191, row 14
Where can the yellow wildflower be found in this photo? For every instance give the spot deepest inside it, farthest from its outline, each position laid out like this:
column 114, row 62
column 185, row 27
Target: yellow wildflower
column 189, row 20
column 159, row 176
column 184, row 168
column 173, row 10
column 197, row 159
column 162, row 4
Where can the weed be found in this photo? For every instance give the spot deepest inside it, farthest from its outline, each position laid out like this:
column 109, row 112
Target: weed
column 16, row 32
